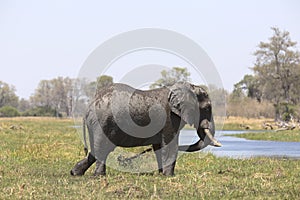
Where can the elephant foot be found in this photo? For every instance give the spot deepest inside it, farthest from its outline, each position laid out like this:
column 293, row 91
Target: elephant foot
column 74, row 173
column 80, row 168
column 99, row 174
column 168, row 171
column 100, row 168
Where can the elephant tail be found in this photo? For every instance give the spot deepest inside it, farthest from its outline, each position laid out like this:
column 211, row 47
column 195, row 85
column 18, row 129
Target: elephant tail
column 84, row 136
column 127, row 161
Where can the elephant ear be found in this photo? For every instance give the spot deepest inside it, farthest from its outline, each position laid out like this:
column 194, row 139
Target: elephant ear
column 183, row 102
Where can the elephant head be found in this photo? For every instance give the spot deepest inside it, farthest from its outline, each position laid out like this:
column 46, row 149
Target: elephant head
column 193, row 105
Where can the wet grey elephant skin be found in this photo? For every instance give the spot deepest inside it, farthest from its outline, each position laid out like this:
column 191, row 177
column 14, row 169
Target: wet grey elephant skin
column 123, row 116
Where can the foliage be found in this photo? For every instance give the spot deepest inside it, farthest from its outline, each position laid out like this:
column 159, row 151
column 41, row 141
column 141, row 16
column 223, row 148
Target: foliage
column 250, row 85
column 55, row 94
column 248, row 107
column 172, row 76
column 24, row 105
column 7, row 95
column 277, row 62
column 276, row 74
column 277, row 69
column 42, row 111
column 218, row 98
column 9, row 111
column 35, row 163
column 102, row 81
column 64, row 94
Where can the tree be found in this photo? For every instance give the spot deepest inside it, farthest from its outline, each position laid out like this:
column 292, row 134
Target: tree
column 24, row 105
column 101, row 82
column 42, row 95
column 104, row 81
column 9, row 111
column 8, row 96
column 218, row 99
column 61, row 93
column 172, row 76
column 80, row 95
column 54, row 94
column 250, row 85
column 64, row 94
column 277, row 70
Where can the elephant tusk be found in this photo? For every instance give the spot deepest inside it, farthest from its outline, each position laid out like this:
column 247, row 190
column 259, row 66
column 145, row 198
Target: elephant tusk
column 214, row 141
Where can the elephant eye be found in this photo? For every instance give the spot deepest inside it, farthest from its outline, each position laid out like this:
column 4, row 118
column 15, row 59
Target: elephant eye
column 205, row 105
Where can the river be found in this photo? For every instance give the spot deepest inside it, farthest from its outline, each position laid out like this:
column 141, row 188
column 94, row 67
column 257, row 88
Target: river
column 242, row 148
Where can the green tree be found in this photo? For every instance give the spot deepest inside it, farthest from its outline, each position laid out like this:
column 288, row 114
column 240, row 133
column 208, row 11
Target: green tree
column 101, row 82
column 172, row 76
column 250, row 85
column 55, row 94
column 277, row 70
column 62, row 94
column 9, row 111
column 8, row 96
column 104, row 81
column 24, row 105
column 42, row 96
column 218, row 98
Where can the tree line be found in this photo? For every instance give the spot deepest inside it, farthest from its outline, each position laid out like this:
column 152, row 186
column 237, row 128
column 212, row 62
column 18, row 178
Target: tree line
column 55, row 98
column 272, row 90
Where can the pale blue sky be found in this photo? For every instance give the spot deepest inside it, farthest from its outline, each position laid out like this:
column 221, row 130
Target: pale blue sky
column 46, row 39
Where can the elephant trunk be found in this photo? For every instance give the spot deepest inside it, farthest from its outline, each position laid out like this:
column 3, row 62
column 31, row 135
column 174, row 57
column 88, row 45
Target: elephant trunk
column 206, row 128
column 191, row 148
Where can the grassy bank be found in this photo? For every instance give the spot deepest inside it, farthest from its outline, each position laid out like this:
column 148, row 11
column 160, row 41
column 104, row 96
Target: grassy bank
column 36, row 156
column 237, row 123
column 241, row 123
column 285, row 136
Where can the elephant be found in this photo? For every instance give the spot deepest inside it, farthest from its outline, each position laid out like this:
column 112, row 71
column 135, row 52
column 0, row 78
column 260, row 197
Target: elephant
column 120, row 115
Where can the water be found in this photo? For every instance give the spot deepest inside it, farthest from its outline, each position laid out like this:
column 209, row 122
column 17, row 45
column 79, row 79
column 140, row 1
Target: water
column 243, row 148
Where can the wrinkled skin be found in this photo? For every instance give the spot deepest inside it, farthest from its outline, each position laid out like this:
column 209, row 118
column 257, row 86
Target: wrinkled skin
column 122, row 116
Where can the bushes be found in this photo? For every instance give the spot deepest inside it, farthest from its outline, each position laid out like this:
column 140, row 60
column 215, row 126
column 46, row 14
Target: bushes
column 8, row 111
column 250, row 108
column 42, row 111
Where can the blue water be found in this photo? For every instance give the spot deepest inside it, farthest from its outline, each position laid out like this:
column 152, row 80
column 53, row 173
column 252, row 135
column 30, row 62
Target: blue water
column 243, row 148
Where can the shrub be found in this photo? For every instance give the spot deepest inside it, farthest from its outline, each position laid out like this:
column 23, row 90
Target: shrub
column 42, row 111
column 8, row 111
column 250, row 108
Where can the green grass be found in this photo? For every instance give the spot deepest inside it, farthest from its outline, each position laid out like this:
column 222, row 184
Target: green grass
column 36, row 156
column 285, row 136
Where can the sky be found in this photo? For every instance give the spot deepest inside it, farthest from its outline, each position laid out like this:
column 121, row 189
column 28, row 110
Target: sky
column 46, row 39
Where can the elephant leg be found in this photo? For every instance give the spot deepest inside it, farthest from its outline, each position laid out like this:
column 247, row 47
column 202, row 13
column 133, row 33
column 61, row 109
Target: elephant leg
column 80, row 167
column 157, row 151
column 100, row 168
column 169, row 154
column 101, row 156
column 101, row 163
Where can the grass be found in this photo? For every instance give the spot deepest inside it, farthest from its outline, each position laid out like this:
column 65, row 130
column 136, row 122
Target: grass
column 285, row 136
column 241, row 123
column 36, row 155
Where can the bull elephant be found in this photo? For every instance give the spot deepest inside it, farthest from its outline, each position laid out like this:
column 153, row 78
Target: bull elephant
column 123, row 116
